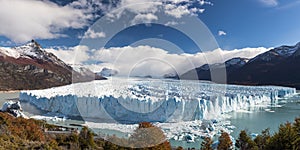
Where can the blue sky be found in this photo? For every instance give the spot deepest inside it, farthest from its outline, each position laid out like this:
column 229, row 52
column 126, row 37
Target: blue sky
column 253, row 23
column 137, row 36
column 246, row 23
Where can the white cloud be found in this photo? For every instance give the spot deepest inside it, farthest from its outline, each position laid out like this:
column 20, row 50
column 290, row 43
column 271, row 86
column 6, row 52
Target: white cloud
column 144, row 18
column 244, row 52
column 140, row 6
column 174, row 8
column 270, row 3
column 91, row 34
column 146, row 60
column 222, row 33
column 171, row 23
column 197, row 10
column 71, row 55
column 176, row 11
column 23, row 20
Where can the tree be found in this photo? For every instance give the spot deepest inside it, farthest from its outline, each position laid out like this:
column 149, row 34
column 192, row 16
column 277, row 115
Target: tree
column 225, row 142
column 149, row 136
column 296, row 127
column 263, row 139
column 86, row 138
column 207, row 144
column 244, row 142
column 283, row 139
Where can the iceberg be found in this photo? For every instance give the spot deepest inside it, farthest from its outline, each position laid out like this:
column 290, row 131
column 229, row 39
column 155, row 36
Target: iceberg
column 130, row 101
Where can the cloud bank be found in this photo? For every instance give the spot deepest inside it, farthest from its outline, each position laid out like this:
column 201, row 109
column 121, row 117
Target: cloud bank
column 23, row 20
column 146, row 60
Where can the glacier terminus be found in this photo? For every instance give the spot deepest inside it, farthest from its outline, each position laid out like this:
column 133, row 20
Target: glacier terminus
column 133, row 100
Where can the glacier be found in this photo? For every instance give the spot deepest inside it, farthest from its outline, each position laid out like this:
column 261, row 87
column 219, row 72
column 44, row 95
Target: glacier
column 133, row 100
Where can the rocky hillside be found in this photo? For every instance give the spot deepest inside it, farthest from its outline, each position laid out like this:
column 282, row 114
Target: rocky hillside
column 31, row 67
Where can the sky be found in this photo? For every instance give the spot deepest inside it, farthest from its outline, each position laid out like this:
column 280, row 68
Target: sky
column 234, row 23
column 254, row 23
column 172, row 32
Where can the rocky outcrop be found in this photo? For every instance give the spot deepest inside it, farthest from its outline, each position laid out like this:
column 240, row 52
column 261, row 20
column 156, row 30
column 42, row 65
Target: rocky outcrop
column 13, row 108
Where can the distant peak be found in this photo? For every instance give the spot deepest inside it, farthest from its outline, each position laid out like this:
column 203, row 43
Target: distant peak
column 34, row 43
column 298, row 44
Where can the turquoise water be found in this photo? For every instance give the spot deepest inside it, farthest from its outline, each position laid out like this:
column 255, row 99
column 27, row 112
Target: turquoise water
column 270, row 117
column 257, row 119
column 8, row 96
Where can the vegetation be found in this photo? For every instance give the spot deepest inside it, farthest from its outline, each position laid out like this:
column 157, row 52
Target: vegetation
column 287, row 137
column 225, row 142
column 244, row 142
column 20, row 133
column 146, row 136
column 207, row 144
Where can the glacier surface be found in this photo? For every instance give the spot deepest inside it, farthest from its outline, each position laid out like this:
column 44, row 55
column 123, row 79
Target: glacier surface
column 129, row 101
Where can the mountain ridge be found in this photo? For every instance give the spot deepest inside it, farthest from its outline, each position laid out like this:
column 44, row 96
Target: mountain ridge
column 278, row 66
column 30, row 67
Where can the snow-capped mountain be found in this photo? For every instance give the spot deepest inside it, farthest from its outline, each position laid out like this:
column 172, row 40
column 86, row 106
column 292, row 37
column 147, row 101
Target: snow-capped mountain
column 30, row 52
column 203, row 72
column 281, row 52
column 236, row 62
column 31, row 67
column 278, row 66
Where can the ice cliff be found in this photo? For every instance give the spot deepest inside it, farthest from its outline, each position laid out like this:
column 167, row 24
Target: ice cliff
column 134, row 100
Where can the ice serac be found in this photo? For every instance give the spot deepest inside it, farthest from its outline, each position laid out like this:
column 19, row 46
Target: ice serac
column 134, row 100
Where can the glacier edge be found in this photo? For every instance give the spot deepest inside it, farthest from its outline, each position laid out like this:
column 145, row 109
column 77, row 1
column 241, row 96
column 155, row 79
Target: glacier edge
column 132, row 103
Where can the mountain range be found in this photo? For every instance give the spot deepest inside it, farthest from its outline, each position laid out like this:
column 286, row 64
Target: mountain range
column 31, row 67
column 278, row 66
